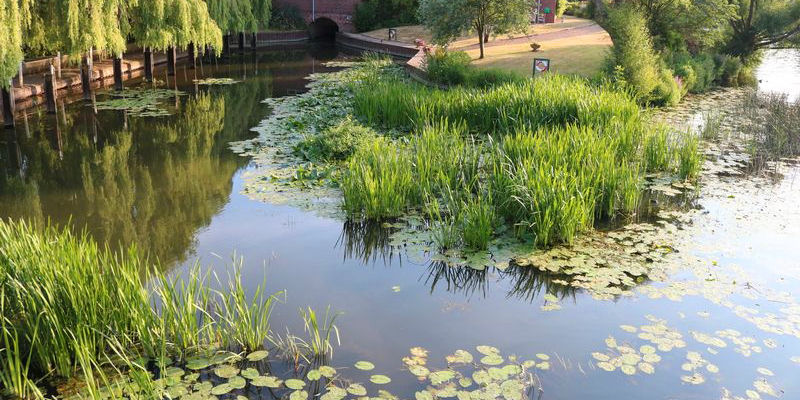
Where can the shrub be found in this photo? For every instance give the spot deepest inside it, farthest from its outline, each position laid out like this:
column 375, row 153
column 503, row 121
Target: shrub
column 447, row 67
column 731, row 67
column 633, row 50
column 668, row 91
column 377, row 14
column 337, row 142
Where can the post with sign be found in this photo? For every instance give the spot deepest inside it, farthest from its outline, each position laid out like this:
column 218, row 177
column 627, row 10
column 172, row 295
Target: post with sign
column 541, row 66
column 392, row 34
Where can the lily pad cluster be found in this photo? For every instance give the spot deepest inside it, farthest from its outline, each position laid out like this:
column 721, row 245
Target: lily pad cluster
column 215, row 81
column 140, row 102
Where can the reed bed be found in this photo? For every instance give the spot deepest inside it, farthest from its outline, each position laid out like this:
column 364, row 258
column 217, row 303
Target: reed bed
column 545, row 157
column 69, row 306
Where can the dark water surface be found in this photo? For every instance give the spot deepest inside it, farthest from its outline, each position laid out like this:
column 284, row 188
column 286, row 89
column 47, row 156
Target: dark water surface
column 171, row 186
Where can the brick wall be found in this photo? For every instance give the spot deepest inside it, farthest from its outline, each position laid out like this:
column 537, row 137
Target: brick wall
column 340, row 11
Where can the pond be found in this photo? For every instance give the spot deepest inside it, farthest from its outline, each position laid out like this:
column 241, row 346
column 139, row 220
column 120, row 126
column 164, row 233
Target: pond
column 724, row 317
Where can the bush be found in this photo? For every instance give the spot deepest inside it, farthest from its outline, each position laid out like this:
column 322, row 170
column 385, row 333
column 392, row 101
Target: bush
column 377, row 14
column 447, row 67
column 337, row 142
column 633, row 50
column 454, row 68
column 287, row 18
column 668, row 92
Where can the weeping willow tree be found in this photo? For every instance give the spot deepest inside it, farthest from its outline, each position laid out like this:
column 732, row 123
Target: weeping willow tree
column 240, row 15
column 15, row 16
column 159, row 24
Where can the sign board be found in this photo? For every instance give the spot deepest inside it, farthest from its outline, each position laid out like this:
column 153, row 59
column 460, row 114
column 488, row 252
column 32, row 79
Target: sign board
column 541, row 65
column 392, row 34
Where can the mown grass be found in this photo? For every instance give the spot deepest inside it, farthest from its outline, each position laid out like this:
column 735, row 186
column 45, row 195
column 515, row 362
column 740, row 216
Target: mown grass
column 69, row 306
column 545, row 157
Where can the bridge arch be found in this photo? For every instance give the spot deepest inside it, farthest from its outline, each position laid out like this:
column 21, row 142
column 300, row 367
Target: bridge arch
column 323, row 28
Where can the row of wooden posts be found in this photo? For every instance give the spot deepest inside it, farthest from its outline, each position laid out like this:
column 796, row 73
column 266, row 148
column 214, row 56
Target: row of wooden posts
column 54, row 72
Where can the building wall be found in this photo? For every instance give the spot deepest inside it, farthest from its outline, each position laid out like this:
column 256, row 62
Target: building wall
column 340, row 11
column 551, row 17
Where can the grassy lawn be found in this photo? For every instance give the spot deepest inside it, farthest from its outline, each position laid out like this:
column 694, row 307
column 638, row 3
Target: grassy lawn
column 407, row 34
column 582, row 55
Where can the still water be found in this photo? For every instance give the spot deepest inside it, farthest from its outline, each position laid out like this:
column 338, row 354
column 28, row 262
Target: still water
column 171, row 186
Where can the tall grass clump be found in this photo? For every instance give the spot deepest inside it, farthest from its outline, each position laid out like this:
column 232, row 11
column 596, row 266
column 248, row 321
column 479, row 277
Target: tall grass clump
column 773, row 126
column 69, row 305
column 552, row 101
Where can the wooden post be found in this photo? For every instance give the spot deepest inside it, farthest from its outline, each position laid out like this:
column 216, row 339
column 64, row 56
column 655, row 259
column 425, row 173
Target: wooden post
column 171, row 60
column 8, row 105
column 192, row 56
column 254, row 41
column 50, row 89
column 148, row 64
column 21, row 75
column 58, row 65
column 241, row 41
column 86, row 76
column 226, row 44
column 118, row 72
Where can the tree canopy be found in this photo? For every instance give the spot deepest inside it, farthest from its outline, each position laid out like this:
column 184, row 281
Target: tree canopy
column 240, row 15
column 449, row 19
column 757, row 24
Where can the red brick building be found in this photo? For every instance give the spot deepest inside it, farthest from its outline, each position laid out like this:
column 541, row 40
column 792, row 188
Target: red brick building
column 547, row 11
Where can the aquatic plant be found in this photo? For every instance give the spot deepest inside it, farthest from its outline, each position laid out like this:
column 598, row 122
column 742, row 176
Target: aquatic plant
column 320, row 332
column 67, row 304
column 773, row 128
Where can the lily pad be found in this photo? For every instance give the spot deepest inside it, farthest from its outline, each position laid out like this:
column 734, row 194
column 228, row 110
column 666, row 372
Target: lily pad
column 257, row 355
column 221, row 389
column 357, row 389
column 313, row 375
column 365, row 365
column 380, row 379
column 198, row 363
column 299, row 395
column 226, row 371
column 295, row 384
column 326, row 371
column 266, row 381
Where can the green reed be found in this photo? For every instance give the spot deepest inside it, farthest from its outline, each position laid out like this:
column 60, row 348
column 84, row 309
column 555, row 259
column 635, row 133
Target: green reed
column 67, row 303
column 321, row 332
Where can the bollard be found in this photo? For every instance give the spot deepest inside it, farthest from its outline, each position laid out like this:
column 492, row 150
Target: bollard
column 50, row 90
column 8, row 105
column 118, row 73
column 148, row 64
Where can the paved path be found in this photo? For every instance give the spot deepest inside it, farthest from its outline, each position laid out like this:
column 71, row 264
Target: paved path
column 581, row 30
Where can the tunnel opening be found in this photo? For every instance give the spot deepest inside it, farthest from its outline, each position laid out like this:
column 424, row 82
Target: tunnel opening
column 323, row 29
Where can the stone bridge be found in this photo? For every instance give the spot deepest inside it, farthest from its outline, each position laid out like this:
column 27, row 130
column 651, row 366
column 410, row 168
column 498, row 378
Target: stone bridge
column 324, row 17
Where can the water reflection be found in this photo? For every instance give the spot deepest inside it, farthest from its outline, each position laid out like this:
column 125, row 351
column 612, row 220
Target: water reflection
column 148, row 182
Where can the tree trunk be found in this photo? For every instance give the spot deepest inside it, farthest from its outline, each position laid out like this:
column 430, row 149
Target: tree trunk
column 481, row 33
column 50, row 90
column 86, row 77
column 8, row 105
column 148, row 64
column 171, row 60
column 192, row 56
column 118, row 72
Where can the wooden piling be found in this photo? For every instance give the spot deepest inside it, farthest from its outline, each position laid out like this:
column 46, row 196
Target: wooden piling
column 58, row 65
column 86, row 77
column 8, row 105
column 118, row 72
column 50, row 93
column 254, row 41
column 171, row 60
column 241, row 41
column 192, row 56
column 21, row 74
column 148, row 64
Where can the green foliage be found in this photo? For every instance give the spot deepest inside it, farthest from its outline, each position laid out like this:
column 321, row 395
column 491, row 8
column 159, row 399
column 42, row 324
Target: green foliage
column 337, row 142
column 454, row 68
column 668, row 91
column 12, row 21
column 567, row 154
column 67, row 304
column 633, row 50
column 377, row 14
column 554, row 100
column 447, row 67
column 690, row 160
column 698, row 72
column 759, row 24
column 287, row 17
column 240, row 15
column 449, row 19
column 682, row 24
